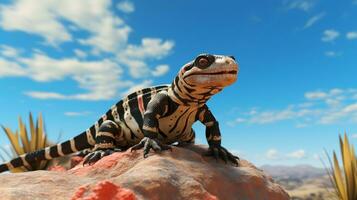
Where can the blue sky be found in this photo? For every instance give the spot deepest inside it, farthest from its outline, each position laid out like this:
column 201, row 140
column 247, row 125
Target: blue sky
column 296, row 91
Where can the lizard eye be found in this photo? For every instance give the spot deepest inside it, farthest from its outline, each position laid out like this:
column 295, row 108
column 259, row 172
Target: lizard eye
column 204, row 61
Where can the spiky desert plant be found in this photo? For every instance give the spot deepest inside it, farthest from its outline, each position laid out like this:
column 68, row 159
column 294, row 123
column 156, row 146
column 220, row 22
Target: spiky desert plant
column 344, row 179
column 21, row 143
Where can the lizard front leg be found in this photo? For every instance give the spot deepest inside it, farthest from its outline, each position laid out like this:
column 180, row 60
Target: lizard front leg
column 156, row 108
column 104, row 142
column 213, row 136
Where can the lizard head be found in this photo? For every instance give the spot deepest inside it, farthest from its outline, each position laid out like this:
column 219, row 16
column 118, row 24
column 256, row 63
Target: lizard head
column 208, row 70
column 203, row 77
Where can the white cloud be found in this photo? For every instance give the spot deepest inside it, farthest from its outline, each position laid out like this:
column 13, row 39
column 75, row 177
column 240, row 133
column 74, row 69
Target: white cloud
column 350, row 108
column 330, row 35
column 334, row 94
column 272, row 154
column 253, row 111
column 46, row 95
column 336, row 91
column 354, row 136
column 160, row 70
column 355, row 97
column 79, row 53
column 272, row 116
column 46, row 20
column 76, row 114
column 348, row 111
column 320, row 107
column 29, row 15
column 137, row 68
column 266, row 117
column 301, row 125
column 57, row 22
column 351, row 35
column 144, row 84
column 332, row 53
column 315, row 95
column 305, row 105
column 150, row 48
column 313, row 20
column 126, row 6
column 11, row 69
column 304, row 5
column 240, row 120
column 299, row 154
column 100, row 78
column 9, row 51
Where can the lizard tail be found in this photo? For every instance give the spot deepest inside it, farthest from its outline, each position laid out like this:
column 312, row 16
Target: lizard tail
column 80, row 142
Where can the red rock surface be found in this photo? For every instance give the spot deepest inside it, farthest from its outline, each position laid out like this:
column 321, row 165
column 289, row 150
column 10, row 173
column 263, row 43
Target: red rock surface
column 75, row 160
column 180, row 174
column 104, row 190
column 57, row 168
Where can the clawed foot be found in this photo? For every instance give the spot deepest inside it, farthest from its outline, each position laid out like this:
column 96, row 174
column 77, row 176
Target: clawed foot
column 217, row 151
column 83, row 153
column 94, row 156
column 148, row 144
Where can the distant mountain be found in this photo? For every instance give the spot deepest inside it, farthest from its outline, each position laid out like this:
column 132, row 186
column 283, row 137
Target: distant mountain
column 302, row 182
column 293, row 172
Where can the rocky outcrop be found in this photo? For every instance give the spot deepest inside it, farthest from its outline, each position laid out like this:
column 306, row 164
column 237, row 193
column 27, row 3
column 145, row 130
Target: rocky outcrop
column 180, row 174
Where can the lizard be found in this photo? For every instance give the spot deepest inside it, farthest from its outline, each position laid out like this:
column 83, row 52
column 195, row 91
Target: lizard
column 153, row 118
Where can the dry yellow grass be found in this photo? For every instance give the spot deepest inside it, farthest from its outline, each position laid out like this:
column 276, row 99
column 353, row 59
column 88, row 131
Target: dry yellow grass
column 21, row 143
column 344, row 178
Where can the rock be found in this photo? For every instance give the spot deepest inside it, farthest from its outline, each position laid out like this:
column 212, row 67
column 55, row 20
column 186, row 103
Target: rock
column 57, row 168
column 180, row 174
column 75, row 160
column 103, row 190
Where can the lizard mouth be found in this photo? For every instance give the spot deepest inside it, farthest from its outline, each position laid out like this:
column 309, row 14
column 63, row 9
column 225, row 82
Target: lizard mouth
column 231, row 72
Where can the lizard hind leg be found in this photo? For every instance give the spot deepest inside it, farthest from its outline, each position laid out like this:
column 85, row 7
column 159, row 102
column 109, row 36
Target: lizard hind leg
column 104, row 142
